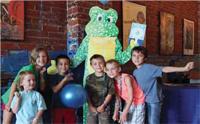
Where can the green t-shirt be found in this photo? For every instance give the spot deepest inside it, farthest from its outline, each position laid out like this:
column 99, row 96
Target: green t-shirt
column 98, row 88
column 31, row 67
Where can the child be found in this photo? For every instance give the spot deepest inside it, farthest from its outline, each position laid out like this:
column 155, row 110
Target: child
column 126, row 88
column 61, row 114
column 38, row 59
column 100, row 89
column 28, row 105
column 146, row 75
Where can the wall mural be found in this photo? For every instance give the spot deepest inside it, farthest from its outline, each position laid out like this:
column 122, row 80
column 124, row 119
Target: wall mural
column 188, row 37
column 12, row 20
column 167, row 33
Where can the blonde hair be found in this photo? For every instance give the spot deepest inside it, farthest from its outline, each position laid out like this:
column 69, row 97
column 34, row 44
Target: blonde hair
column 22, row 74
column 35, row 53
column 113, row 61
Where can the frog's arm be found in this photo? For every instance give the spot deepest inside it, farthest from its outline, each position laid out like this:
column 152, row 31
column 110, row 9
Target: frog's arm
column 81, row 53
column 123, row 57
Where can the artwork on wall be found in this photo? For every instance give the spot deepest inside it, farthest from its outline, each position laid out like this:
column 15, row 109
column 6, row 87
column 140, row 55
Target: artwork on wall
column 12, row 20
column 72, row 45
column 166, row 33
column 132, row 12
column 188, row 37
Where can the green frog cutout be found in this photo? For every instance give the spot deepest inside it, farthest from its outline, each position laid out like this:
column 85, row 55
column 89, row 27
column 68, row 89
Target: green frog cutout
column 101, row 38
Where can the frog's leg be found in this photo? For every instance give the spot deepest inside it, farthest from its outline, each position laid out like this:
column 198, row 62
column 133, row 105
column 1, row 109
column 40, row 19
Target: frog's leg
column 79, row 57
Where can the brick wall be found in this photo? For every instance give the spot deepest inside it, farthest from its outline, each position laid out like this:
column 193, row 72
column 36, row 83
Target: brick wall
column 78, row 17
column 45, row 24
column 178, row 9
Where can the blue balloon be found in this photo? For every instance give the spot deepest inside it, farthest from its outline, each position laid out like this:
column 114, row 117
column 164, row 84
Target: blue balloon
column 73, row 96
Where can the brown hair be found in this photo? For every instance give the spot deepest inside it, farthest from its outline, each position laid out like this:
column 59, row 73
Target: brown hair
column 141, row 49
column 22, row 74
column 97, row 56
column 62, row 57
column 35, row 53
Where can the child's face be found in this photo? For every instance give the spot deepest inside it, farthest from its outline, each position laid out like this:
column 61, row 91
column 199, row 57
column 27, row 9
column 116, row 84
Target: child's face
column 42, row 59
column 112, row 70
column 28, row 82
column 137, row 58
column 63, row 65
column 98, row 65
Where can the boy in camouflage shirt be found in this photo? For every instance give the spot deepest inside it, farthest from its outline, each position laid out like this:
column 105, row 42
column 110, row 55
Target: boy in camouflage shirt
column 100, row 89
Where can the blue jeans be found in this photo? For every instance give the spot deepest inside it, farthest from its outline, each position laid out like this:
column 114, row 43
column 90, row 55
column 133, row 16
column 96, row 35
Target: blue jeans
column 153, row 112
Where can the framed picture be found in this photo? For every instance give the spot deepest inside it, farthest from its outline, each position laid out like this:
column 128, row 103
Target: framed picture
column 188, row 37
column 12, row 20
column 166, row 33
column 132, row 13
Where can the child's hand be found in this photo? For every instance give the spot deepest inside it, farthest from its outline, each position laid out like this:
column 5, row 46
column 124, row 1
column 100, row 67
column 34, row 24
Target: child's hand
column 42, row 70
column 68, row 77
column 189, row 66
column 7, row 107
column 101, row 108
column 35, row 121
column 123, row 117
column 115, row 116
column 92, row 109
column 17, row 95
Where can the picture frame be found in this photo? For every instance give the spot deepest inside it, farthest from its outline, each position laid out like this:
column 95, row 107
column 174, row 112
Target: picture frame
column 132, row 12
column 188, row 37
column 166, row 33
column 12, row 20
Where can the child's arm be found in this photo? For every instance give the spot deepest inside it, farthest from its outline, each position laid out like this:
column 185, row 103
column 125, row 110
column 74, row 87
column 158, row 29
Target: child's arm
column 16, row 101
column 187, row 67
column 42, row 80
column 117, row 107
column 101, row 108
column 13, row 89
column 111, row 91
column 123, row 117
column 57, row 87
column 37, row 117
column 87, row 88
column 41, row 107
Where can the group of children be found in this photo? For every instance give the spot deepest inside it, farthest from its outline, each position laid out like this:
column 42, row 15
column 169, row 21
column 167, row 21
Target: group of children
column 34, row 95
column 140, row 91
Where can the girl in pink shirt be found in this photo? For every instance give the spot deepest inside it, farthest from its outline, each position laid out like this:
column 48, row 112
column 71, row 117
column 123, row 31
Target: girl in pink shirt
column 127, row 89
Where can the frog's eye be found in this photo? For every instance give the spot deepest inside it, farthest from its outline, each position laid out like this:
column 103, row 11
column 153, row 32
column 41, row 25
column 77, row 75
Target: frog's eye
column 99, row 17
column 110, row 19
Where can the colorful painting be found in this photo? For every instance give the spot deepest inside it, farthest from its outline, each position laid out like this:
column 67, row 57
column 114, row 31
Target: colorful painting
column 137, row 33
column 166, row 33
column 72, row 45
column 132, row 13
column 188, row 37
column 12, row 20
